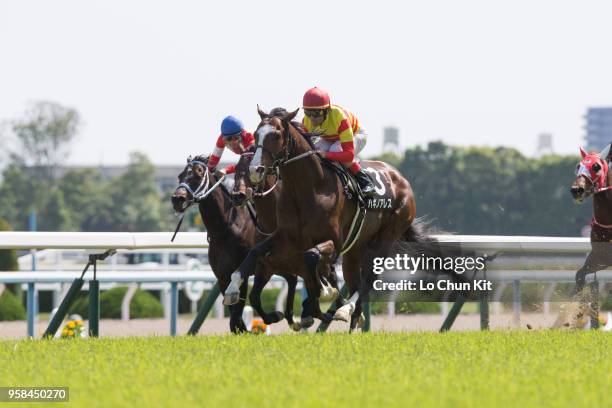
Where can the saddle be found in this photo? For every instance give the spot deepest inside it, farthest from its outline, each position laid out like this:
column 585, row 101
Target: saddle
column 349, row 184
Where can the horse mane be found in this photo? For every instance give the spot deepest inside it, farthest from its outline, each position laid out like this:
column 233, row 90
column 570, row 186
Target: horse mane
column 281, row 112
column 306, row 135
column 202, row 158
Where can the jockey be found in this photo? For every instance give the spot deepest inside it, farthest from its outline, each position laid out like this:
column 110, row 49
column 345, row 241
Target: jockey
column 342, row 136
column 234, row 137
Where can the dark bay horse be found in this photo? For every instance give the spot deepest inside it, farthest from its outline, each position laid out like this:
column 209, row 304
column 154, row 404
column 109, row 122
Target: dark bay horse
column 593, row 178
column 314, row 216
column 231, row 233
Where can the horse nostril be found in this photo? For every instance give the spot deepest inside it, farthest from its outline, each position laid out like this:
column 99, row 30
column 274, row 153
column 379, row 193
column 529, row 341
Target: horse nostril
column 260, row 169
column 176, row 199
column 577, row 191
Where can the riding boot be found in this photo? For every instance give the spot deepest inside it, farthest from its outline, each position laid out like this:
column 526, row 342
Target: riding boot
column 365, row 183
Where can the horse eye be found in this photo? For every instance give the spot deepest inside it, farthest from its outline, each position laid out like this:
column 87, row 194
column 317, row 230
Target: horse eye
column 596, row 167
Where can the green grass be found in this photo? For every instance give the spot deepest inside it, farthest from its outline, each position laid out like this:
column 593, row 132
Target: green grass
column 476, row 369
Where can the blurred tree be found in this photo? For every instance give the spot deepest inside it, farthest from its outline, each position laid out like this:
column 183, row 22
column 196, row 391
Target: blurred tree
column 43, row 136
column 8, row 262
column 481, row 190
column 136, row 198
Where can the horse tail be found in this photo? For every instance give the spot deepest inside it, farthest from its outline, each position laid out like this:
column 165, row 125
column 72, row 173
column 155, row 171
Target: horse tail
column 420, row 231
column 419, row 238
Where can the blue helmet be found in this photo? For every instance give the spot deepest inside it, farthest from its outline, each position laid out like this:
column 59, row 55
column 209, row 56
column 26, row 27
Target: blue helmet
column 231, row 125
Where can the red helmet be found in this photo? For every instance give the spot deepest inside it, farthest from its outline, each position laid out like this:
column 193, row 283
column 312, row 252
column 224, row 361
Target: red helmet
column 316, row 98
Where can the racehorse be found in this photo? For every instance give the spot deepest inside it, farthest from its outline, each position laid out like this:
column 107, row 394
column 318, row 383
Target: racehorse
column 594, row 179
column 314, row 216
column 265, row 205
column 231, row 233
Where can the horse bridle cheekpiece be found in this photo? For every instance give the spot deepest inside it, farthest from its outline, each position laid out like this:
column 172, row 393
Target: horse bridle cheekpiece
column 281, row 157
column 201, row 190
column 197, row 195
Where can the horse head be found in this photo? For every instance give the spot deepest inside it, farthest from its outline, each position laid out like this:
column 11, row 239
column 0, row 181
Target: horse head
column 243, row 189
column 193, row 181
column 272, row 139
column 591, row 174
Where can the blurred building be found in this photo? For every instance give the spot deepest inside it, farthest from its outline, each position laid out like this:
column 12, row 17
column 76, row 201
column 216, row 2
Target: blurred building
column 598, row 127
column 390, row 140
column 165, row 176
column 544, row 144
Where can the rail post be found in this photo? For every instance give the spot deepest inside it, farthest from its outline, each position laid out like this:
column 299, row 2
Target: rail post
column 204, row 310
column 453, row 313
column 63, row 308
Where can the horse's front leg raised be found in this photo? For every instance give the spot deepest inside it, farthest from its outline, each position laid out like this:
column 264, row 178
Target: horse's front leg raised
column 246, row 268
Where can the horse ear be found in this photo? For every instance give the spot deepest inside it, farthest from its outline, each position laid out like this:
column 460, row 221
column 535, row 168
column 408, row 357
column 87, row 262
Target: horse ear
column 188, row 159
column 290, row 115
column 262, row 114
column 604, row 153
column 583, row 153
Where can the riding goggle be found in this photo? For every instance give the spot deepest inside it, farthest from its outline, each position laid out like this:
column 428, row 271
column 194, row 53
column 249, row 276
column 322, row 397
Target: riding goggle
column 233, row 137
column 314, row 113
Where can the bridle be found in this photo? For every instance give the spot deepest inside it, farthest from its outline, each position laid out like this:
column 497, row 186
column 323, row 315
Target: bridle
column 583, row 171
column 281, row 159
column 197, row 195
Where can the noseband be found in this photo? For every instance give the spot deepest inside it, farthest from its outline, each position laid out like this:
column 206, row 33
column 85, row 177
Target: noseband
column 202, row 191
column 282, row 159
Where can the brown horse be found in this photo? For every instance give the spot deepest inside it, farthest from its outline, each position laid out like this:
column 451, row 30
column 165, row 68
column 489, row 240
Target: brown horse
column 314, row 216
column 231, row 232
column 594, row 179
column 265, row 204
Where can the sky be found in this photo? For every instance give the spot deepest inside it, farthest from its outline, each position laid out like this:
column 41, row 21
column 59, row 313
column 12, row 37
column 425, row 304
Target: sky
column 159, row 76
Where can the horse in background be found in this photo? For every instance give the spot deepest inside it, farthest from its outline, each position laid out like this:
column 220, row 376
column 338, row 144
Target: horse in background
column 593, row 179
column 231, row 232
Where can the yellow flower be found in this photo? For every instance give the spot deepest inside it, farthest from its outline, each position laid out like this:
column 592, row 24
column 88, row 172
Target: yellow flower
column 79, row 322
column 70, row 333
column 71, row 324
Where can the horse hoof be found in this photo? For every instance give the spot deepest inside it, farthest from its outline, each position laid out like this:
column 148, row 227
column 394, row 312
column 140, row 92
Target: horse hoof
column 342, row 314
column 326, row 318
column 360, row 321
column 295, row 326
column 231, row 298
column 334, row 294
column 306, row 322
column 275, row 317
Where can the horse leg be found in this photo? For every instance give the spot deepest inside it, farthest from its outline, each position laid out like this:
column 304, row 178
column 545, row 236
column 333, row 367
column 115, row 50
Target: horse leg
column 313, row 287
column 591, row 265
column 339, row 301
column 261, row 279
column 316, row 257
column 306, row 319
column 246, row 268
column 319, row 258
column 291, row 285
column 237, row 309
column 351, row 270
